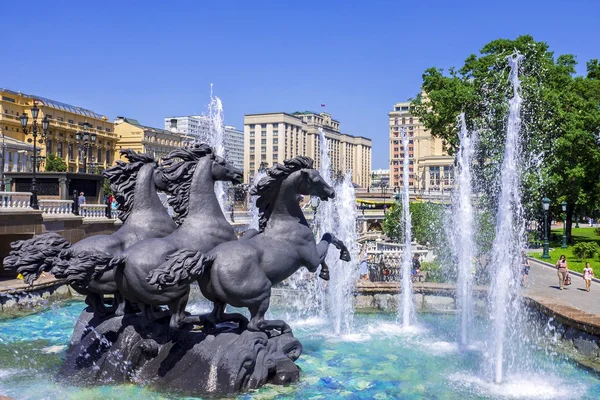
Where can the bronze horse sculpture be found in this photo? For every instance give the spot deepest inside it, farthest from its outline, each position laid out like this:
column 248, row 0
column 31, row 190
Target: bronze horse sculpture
column 190, row 174
column 143, row 216
column 242, row 272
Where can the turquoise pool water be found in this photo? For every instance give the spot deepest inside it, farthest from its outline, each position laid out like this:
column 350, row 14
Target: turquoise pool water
column 378, row 361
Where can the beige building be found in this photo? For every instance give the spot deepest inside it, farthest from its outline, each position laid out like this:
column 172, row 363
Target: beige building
column 65, row 122
column 274, row 137
column 145, row 139
column 430, row 166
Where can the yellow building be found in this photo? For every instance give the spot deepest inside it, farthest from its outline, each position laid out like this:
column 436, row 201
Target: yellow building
column 61, row 139
column 145, row 139
column 274, row 137
column 430, row 166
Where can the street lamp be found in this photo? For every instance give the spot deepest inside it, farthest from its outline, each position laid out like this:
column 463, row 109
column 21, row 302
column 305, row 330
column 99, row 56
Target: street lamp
column 564, row 238
column 34, row 131
column 546, row 205
column 85, row 140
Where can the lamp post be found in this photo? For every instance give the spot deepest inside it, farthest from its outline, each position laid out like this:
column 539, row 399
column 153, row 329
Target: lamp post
column 85, row 140
column 546, row 205
column 34, row 131
column 564, row 237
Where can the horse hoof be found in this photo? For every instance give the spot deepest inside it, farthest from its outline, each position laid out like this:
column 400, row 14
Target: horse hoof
column 324, row 274
column 345, row 255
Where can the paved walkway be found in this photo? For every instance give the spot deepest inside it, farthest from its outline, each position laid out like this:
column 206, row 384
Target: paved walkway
column 543, row 282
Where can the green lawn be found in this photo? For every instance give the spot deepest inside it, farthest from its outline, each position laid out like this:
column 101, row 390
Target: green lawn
column 579, row 235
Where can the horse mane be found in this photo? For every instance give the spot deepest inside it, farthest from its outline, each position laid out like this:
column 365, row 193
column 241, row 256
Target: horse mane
column 123, row 178
column 267, row 189
column 177, row 170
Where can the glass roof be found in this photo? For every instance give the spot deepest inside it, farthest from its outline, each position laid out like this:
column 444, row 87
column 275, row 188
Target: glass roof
column 57, row 104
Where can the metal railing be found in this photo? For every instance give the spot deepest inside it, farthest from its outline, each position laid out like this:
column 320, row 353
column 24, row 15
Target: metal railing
column 15, row 200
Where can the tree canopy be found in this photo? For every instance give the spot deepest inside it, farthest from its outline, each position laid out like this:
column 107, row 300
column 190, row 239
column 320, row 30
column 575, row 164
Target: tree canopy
column 560, row 120
column 55, row 163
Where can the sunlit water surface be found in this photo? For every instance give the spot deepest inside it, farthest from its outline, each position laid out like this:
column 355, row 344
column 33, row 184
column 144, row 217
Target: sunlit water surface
column 379, row 360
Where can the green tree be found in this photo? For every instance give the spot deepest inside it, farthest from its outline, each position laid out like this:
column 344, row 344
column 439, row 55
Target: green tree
column 427, row 223
column 55, row 163
column 392, row 226
column 560, row 115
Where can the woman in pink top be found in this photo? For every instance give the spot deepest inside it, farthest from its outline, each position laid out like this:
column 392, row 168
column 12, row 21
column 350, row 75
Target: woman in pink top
column 588, row 273
column 561, row 266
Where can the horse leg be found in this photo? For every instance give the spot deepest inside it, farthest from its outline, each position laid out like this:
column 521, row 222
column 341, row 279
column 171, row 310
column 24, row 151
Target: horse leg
column 95, row 301
column 222, row 316
column 258, row 323
column 123, row 305
column 177, row 309
column 147, row 312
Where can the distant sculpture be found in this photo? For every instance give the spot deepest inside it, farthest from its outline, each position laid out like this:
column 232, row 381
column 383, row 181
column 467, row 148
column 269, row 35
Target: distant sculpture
column 190, row 173
column 241, row 273
column 143, row 214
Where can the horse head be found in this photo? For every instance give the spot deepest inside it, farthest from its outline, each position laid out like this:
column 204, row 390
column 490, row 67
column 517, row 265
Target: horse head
column 223, row 171
column 311, row 183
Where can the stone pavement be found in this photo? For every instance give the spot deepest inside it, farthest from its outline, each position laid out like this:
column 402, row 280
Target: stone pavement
column 573, row 305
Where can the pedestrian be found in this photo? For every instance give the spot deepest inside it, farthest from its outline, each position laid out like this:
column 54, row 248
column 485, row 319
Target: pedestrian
column 525, row 267
column 363, row 269
column 588, row 273
column 416, row 268
column 562, row 270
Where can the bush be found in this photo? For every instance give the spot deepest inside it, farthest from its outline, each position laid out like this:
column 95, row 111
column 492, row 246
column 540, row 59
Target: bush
column 583, row 250
column 55, row 163
column 597, row 231
column 433, row 271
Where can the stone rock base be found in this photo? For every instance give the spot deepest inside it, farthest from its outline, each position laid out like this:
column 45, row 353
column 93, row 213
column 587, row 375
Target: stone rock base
column 130, row 349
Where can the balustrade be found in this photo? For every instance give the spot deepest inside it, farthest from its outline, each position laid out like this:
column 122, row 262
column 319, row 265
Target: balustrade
column 56, row 207
column 15, row 200
column 92, row 210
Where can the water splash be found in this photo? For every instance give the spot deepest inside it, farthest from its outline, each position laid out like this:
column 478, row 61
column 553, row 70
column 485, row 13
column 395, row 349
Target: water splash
column 216, row 139
column 509, row 227
column 252, row 209
column 408, row 309
column 343, row 274
column 462, row 231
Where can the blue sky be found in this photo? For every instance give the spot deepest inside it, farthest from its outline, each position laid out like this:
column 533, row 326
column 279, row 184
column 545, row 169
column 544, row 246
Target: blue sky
column 150, row 59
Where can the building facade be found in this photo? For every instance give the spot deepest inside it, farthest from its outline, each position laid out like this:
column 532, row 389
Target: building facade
column 275, row 137
column 65, row 121
column 199, row 128
column 430, row 166
column 146, row 139
column 380, row 177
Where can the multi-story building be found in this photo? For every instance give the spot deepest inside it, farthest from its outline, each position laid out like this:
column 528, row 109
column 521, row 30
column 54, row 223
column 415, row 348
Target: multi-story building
column 146, row 139
column 274, row 137
column 199, row 128
column 65, row 121
column 380, row 177
column 430, row 166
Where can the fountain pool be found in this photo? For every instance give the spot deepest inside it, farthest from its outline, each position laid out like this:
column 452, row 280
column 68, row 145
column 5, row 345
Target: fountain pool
column 378, row 360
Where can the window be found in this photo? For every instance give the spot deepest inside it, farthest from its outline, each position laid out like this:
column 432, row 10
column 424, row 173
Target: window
column 49, row 116
column 71, row 121
column 275, row 148
column 107, row 157
column 98, row 127
column 59, row 149
column 252, row 165
column 252, row 157
column 263, row 133
column 275, row 140
column 251, row 141
column 275, row 132
column 263, row 141
column 263, row 126
column 252, row 149
column 275, row 156
column 251, row 126
column 251, row 133
column 263, row 156
column 410, row 121
column 60, row 119
column 107, row 130
column 70, row 150
column 263, row 149
column 405, row 108
column 275, row 126
column 48, row 147
column 99, row 154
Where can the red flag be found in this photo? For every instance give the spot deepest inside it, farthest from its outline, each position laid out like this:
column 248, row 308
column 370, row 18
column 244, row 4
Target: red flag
column 322, row 105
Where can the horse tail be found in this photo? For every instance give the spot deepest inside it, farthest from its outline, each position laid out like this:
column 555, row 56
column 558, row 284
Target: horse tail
column 33, row 256
column 181, row 267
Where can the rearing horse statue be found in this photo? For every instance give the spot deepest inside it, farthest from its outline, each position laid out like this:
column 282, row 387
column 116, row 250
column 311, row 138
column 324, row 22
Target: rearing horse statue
column 203, row 226
column 242, row 272
column 143, row 216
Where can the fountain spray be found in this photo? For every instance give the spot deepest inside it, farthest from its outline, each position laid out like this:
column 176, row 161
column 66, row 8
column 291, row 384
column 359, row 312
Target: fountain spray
column 407, row 310
column 462, row 234
column 509, row 227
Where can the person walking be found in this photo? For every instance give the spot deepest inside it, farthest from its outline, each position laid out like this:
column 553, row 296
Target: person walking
column 525, row 267
column 588, row 273
column 562, row 270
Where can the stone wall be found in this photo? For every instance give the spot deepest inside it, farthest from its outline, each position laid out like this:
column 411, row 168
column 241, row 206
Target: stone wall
column 24, row 299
